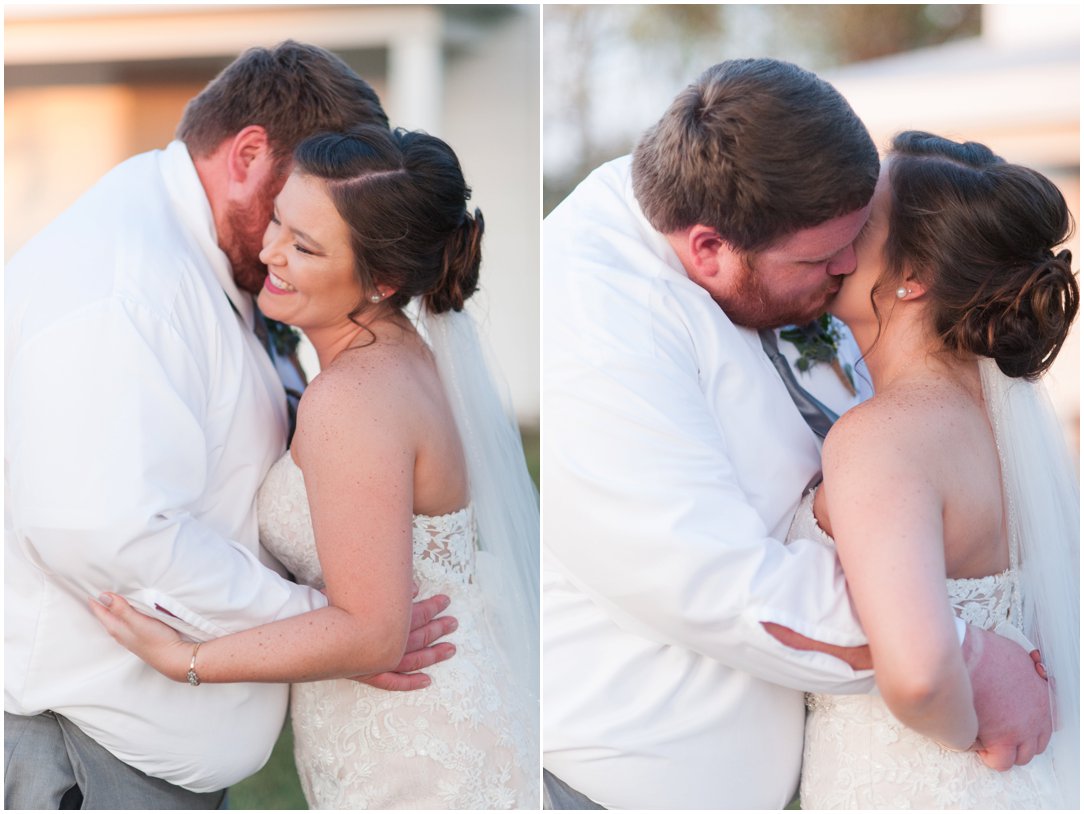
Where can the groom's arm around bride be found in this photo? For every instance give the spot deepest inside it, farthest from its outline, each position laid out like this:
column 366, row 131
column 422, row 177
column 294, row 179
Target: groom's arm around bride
column 142, row 414
column 674, row 455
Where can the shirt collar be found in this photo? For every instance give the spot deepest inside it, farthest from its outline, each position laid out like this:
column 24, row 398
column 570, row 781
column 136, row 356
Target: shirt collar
column 655, row 240
column 194, row 210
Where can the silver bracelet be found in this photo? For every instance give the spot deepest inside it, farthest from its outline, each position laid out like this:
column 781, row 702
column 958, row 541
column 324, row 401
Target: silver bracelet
column 193, row 679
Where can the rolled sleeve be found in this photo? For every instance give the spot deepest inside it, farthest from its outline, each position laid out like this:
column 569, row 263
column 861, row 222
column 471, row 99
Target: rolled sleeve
column 107, row 467
column 647, row 515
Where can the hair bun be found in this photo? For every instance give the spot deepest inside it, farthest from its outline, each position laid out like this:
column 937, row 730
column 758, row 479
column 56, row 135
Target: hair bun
column 980, row 233
column 462, row 259
column 1026, row 321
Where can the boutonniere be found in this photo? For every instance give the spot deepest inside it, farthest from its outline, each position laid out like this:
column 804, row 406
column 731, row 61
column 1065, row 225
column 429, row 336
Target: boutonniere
column 284, row 337
column 818, row 341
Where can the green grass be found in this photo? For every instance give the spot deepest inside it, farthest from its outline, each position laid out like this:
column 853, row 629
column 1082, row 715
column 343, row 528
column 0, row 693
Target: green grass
column 531, row 451
column 276, row 785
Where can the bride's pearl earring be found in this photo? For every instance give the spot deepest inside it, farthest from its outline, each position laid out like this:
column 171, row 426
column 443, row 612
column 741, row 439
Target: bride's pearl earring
column 375, row 298
column 902, row 292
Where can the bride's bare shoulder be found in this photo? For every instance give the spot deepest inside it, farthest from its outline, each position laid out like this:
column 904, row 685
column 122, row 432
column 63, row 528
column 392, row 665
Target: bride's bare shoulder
column 908, row 425
column 363, row 387
column 371, row 374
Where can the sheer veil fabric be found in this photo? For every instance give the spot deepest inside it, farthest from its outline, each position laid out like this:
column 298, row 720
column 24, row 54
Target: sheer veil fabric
column 1042, row 498
column 858, row 756
column 504, row 496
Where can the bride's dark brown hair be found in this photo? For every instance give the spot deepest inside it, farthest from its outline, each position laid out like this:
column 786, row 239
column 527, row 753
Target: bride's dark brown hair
column 403, row 197
column 980, row 234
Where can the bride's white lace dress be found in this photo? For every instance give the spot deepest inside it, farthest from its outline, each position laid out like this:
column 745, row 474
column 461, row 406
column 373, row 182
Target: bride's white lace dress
column 464, row 742
column 857, row 755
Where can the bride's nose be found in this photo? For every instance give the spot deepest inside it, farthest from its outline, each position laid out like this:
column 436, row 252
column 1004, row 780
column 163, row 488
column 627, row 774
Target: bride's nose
column 271, row 253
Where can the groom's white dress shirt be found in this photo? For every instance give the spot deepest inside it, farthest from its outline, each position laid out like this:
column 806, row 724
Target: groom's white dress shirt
column 674, row 460
column 141, row 417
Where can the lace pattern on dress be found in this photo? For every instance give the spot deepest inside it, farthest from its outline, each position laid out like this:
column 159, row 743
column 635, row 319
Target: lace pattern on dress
column 857, row 755
column 444, row 546
column 462, row 743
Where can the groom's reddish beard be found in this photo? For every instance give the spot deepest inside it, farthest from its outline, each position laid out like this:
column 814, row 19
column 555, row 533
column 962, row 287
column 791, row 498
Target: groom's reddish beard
column 248, row 272
column 243, row 241
column 753, row 305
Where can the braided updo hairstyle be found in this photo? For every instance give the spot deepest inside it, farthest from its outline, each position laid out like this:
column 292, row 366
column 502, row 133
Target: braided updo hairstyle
column 980, row 234
column 403, row 197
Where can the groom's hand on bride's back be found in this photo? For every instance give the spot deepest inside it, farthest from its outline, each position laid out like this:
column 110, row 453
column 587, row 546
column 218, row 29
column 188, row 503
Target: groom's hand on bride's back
column 1011, row 697
column 422, row 648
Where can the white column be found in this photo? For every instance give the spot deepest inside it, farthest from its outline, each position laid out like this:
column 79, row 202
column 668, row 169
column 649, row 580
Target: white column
column 416, row 73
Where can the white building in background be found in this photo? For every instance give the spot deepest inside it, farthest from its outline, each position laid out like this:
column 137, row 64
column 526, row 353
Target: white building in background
column 88, row 86
column 1015, row 88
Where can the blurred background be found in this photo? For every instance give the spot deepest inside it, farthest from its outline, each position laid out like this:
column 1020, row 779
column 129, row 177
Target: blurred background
column 1005, row 75
column 87, row 86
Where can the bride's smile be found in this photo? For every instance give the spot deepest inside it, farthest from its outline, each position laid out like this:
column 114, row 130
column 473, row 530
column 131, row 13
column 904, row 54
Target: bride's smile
column 311, row 281
column 277, row 285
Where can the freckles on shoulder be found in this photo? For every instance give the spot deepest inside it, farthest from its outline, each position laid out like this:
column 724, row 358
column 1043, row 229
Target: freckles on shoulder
column 876, row 435
column 370, row 398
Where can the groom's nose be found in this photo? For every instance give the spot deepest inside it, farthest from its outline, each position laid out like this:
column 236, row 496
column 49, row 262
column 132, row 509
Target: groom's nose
column 843, row 263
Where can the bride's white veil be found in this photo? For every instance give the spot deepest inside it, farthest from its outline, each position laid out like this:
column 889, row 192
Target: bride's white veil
column 1042, row 499
column 504, row 496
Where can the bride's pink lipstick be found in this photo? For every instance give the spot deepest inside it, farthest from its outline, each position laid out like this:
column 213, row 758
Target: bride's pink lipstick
column 274, row 289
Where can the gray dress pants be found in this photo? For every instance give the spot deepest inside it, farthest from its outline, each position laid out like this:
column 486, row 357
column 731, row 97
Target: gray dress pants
column 558, row 795
column 49, row 763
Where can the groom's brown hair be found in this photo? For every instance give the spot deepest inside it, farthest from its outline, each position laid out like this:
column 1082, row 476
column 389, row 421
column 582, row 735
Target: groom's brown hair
column 755, row 149
column 293, row 91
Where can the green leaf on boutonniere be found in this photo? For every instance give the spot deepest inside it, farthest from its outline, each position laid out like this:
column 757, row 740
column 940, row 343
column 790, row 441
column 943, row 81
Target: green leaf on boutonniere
column 818, row 342
column 284, row 337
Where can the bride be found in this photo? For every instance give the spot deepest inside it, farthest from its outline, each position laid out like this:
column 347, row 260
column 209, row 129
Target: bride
column 402, row 458
column 954, row 470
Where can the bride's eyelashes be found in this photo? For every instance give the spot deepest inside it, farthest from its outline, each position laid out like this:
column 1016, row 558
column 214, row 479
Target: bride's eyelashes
column 296, row 245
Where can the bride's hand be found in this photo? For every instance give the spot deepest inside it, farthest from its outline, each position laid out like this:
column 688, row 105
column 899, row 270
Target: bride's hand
column 421, row 652
column 155, row 642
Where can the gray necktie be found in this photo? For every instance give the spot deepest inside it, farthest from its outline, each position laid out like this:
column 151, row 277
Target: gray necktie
column 293, row 397
column 260, row 329
column 816, row 415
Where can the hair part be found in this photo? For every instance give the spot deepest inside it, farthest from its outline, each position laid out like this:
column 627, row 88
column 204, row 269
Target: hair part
column 403, row 197
column 756, row 149
column 980, row 234
column 292, row 90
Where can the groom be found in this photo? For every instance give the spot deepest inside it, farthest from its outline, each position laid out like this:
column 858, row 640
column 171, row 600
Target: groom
column 675, row 457
column 142, row 413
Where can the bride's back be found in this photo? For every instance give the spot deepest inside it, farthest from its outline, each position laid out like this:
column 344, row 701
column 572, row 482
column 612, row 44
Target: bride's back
column 937, row 421
column 391, row 387
column 962, row 463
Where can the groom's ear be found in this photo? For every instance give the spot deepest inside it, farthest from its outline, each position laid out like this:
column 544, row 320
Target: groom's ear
column 706, row 250
column 248, row 157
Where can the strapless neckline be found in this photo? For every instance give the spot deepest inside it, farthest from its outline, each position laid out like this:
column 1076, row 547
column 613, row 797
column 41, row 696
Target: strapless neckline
column 982, row 601
column 443, row 545
column 857, row 755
